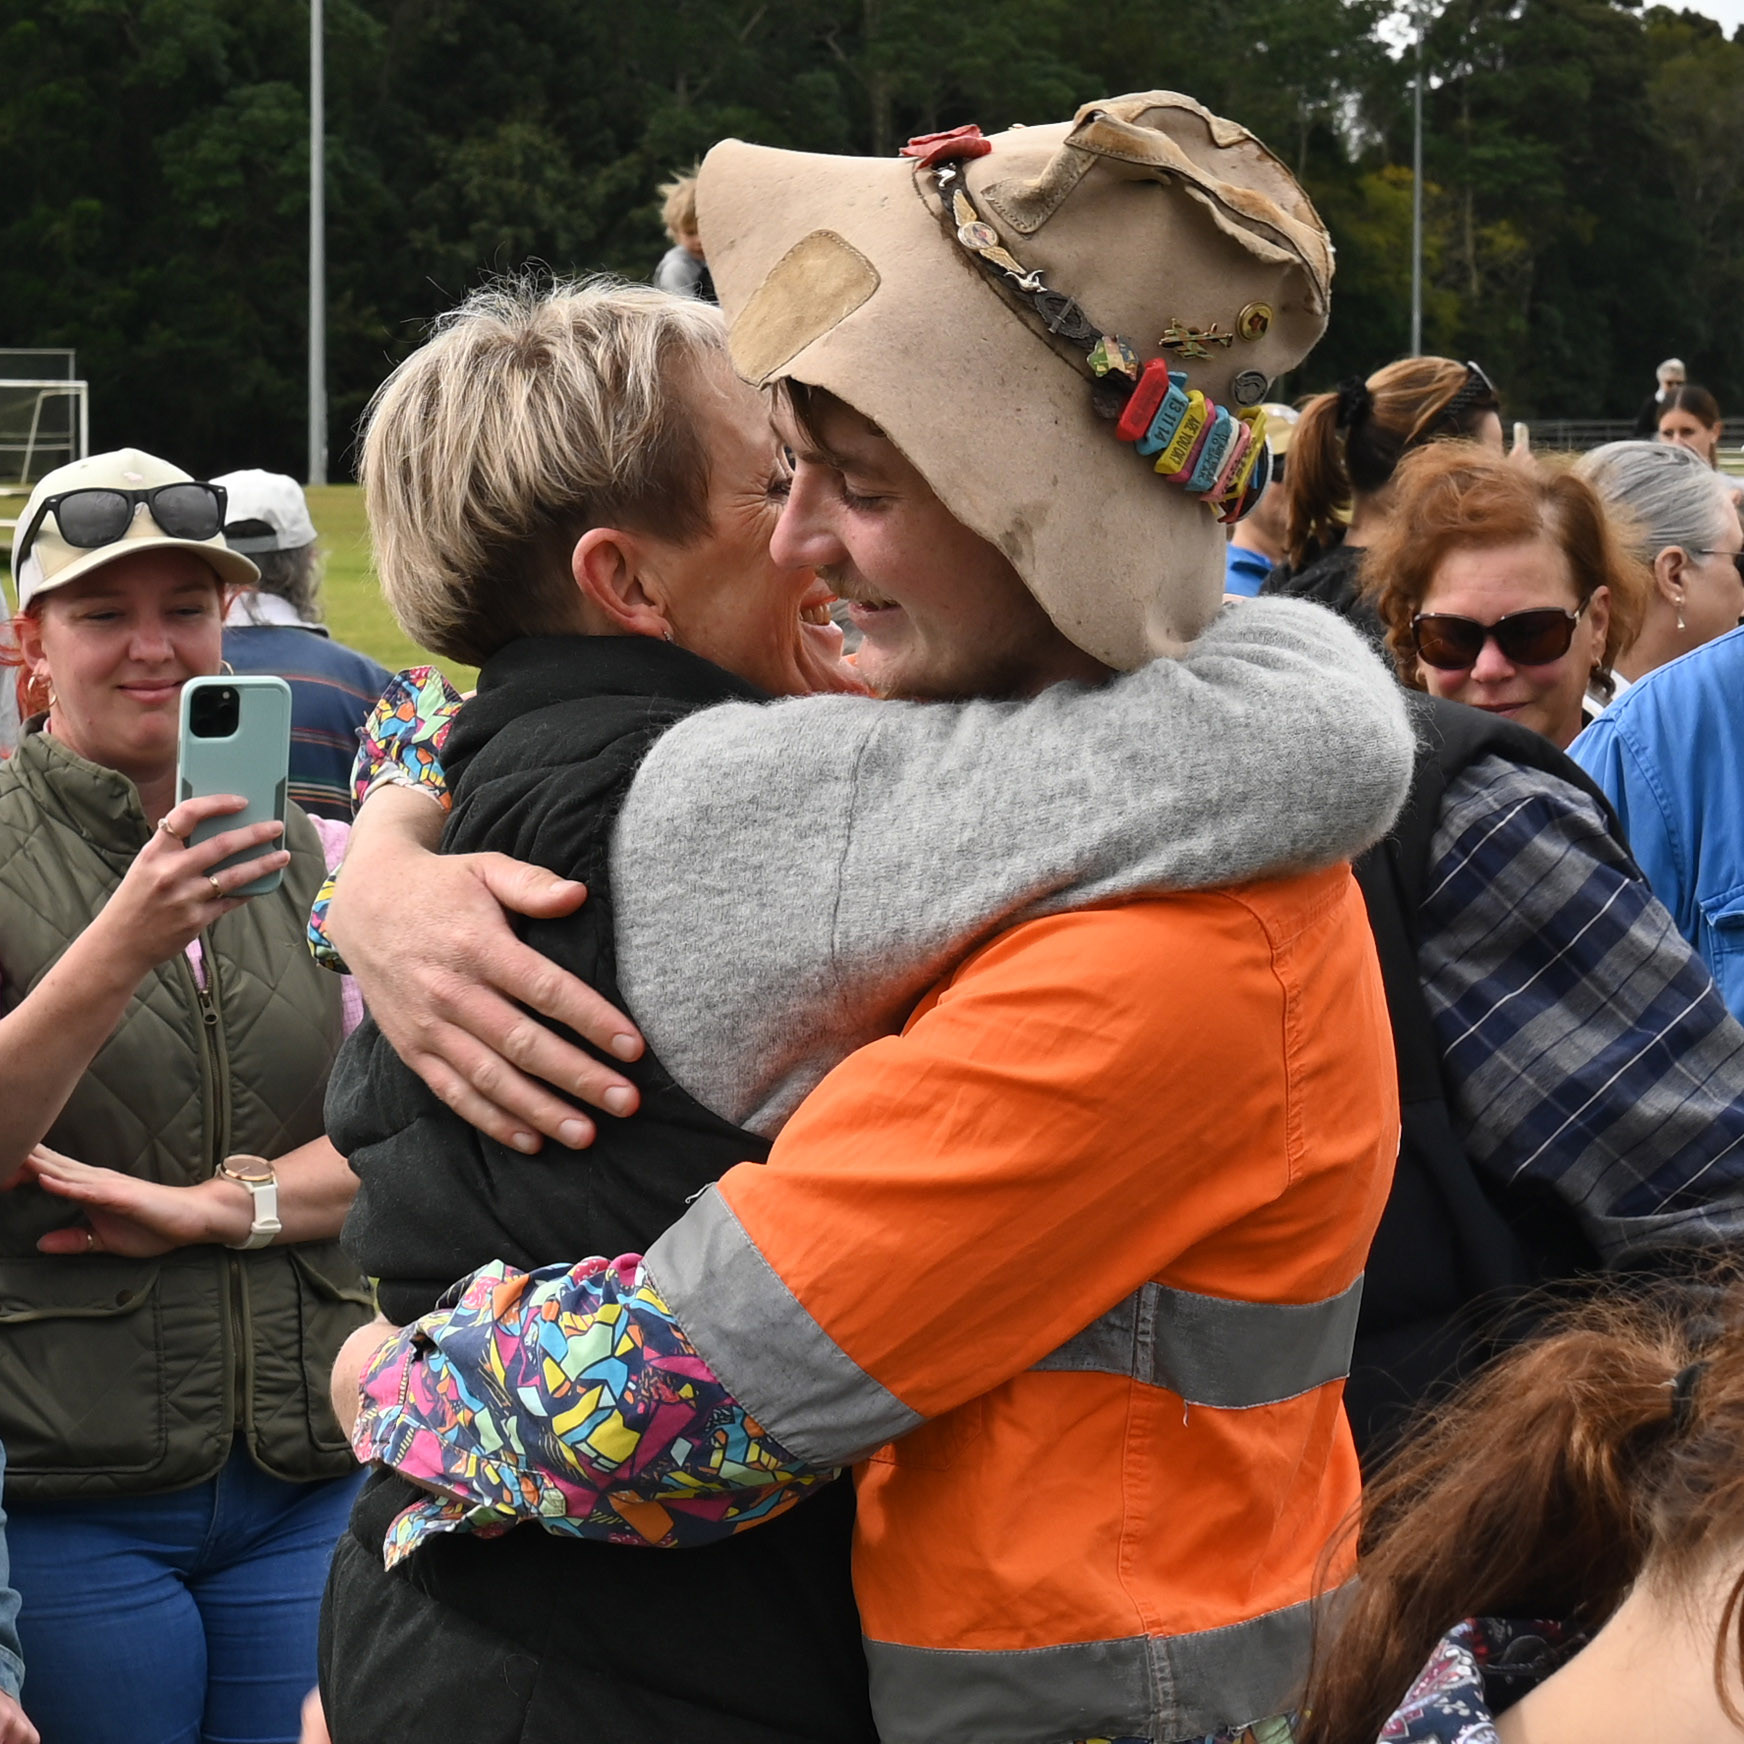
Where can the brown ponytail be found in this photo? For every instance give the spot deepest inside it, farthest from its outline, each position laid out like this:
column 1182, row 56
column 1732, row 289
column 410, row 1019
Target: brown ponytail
column 1543, row 1490
column 1349, row 441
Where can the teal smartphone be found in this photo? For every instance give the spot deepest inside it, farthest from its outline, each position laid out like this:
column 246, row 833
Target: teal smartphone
column 236, row 738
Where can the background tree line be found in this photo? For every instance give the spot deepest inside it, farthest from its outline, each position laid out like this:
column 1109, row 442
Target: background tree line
column 1584, row 170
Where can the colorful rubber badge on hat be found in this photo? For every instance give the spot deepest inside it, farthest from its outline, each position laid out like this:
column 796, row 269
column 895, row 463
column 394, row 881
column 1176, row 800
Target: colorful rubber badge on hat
column 1176, row 461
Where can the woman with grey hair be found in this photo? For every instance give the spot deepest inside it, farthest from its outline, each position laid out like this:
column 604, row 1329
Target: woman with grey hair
column 1683, row 527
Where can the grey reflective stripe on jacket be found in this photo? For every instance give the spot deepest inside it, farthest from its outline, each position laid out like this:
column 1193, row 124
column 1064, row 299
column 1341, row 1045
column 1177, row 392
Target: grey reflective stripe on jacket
column 1141, row 1686
column 1216, row 1351
column 764, row 1345
column 823, row 1407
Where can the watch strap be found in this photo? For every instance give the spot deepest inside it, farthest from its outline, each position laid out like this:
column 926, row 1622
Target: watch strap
column 263, row 1196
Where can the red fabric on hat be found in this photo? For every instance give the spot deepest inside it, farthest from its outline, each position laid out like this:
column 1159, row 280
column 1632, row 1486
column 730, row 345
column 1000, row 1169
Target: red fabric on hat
column 938, row 148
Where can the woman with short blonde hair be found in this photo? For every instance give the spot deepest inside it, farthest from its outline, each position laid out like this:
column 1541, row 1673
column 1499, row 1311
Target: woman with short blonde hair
column 530, row 414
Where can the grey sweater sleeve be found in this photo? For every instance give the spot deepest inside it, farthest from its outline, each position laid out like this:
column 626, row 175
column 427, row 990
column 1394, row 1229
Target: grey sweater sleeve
column 790, row 877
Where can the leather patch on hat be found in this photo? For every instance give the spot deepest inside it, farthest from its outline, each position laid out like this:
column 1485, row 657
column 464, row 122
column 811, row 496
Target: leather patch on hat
column 816, row 285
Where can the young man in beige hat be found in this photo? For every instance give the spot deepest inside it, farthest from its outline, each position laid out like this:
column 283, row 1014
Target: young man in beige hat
column 1070, row 1266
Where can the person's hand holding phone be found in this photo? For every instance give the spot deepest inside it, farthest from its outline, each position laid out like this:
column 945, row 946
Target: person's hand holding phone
column 172, row 893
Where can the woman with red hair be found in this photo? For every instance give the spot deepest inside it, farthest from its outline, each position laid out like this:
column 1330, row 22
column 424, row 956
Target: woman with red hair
column 1504, row 586
column 1559, row 1551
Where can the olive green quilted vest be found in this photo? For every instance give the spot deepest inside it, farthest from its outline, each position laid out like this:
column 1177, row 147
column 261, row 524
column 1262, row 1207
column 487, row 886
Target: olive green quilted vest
column 121, row 1376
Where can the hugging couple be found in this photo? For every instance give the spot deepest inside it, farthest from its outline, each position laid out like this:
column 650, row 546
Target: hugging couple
column 1009, row 1102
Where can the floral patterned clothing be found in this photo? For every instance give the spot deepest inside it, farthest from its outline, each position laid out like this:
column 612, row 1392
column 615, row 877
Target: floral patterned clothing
column 401, row 743
column 570, row 1395
column 1477, row 1672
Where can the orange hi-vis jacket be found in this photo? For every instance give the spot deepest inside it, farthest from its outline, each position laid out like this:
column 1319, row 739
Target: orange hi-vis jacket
column 1072, row 1267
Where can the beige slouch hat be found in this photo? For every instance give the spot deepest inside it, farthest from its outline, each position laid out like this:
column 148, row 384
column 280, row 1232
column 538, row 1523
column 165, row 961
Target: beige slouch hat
column 907, row 287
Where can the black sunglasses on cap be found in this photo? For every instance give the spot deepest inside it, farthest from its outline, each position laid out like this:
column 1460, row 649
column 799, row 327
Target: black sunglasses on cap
column 97, row 515
column 1535, row 638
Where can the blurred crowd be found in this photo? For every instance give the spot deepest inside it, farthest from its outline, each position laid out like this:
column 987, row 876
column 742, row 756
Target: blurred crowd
column 1170, row 1108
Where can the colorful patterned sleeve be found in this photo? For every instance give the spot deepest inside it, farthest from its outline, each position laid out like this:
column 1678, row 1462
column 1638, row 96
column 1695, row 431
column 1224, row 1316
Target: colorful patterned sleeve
column 573, row 1397
column 400, row 744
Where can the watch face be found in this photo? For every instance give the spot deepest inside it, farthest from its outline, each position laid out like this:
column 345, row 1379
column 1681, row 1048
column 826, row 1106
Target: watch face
column 248, row 1169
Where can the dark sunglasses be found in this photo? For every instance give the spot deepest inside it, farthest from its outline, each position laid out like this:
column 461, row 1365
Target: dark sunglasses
column 97, row 516
column 1535, row 638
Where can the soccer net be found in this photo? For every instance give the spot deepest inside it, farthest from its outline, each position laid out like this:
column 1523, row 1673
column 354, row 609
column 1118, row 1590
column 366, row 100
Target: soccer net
column 45, row 421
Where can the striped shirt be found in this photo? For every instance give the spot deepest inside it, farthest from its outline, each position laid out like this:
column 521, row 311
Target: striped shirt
column 1586, row 1047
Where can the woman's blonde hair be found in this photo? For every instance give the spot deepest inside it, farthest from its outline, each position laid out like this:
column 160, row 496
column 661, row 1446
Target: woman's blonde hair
column 1351, row 441
column 1453, row 496
column 679, row 212
column 533, row 412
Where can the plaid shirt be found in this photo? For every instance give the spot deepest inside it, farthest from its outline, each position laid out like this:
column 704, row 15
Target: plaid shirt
column 1585, row 1043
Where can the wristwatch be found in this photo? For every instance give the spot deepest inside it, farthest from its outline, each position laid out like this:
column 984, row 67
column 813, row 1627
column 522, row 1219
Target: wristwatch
column 256, row 1174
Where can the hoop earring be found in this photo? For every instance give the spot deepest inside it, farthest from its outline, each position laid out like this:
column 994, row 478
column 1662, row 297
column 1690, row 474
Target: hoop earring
column 226, row 668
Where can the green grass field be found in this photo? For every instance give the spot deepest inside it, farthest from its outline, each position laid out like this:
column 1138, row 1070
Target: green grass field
column 356, row 611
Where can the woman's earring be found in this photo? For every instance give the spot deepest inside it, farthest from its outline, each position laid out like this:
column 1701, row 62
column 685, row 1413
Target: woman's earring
column 1680, row 623
column 226, row 668
column 666, row 634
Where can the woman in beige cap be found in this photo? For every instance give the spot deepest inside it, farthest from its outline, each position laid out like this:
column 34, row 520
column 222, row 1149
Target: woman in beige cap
column 171, row 1296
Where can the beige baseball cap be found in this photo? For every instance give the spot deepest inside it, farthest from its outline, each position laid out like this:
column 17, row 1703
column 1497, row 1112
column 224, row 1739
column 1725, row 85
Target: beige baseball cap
column 1172, row 229
column 51, row 562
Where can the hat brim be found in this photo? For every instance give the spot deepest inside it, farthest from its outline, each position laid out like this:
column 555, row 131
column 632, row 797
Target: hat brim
column 231, row 568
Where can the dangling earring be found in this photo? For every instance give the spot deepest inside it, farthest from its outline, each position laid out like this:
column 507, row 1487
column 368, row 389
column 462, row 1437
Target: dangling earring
column 666, row 634
column 1680, row 623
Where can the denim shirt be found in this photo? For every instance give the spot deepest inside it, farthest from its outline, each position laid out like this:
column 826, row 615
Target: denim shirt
column 1667, row 753
column 11, row 1654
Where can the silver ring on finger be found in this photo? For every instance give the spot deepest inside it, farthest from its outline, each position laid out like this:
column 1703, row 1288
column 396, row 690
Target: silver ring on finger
column 218, row 889
column 90, row 1241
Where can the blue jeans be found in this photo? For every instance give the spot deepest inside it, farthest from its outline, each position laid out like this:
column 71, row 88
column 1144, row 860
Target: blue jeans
column 180, row 1619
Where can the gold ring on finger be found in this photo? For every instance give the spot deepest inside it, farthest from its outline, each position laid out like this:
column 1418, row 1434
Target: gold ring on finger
column 217, row 888
column 163, row 823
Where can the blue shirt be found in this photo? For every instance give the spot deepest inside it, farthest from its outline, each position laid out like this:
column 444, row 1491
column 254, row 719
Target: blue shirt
column 1668, row 754
column 333, row 688
column 1245, row 571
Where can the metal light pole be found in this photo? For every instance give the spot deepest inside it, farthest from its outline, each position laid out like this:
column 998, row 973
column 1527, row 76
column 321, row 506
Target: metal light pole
column 317, row 252
column 1417, row 196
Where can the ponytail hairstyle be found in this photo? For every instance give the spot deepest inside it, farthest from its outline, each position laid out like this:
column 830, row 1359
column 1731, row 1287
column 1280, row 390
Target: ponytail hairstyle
column 1350, row 440
column 1610, row 1447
